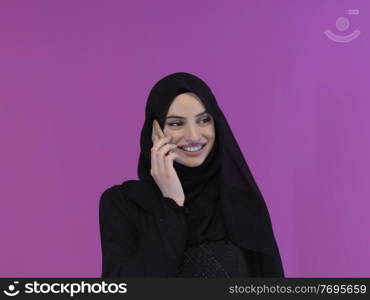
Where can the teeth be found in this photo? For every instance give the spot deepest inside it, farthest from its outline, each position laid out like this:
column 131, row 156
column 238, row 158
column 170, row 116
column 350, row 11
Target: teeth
column 192, row 149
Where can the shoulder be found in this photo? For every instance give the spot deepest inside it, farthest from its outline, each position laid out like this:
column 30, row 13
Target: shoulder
column 120, row 189
column 115, row 195
column 130, row 194
column 115, row 206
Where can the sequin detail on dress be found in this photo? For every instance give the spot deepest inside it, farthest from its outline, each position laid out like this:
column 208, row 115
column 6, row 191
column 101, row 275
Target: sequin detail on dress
column 214, row 259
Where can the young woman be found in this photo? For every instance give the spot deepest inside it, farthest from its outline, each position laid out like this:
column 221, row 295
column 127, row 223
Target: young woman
column 196, row 210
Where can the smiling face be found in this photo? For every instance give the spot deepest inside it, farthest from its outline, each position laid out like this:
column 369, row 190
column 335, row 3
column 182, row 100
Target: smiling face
column 188, row 124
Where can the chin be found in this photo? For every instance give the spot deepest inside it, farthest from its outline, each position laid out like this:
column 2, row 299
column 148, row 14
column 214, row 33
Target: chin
column 194, row 163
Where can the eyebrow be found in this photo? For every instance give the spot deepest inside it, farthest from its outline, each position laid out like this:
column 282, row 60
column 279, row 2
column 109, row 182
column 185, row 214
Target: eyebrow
column 179, row 117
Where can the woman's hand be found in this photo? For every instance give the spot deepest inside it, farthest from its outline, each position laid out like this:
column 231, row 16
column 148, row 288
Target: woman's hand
column 162, row 169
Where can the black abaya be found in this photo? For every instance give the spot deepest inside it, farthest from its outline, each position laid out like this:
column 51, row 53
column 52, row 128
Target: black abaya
column 223, row 229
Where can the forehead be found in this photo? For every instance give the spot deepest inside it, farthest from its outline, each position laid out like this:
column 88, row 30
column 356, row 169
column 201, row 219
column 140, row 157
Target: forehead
column 186, row 104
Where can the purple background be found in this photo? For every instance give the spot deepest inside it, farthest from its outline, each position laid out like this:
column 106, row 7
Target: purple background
column 74, row 79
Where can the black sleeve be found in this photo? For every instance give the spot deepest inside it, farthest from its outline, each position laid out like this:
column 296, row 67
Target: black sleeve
column 171, row 203
column 156, row 252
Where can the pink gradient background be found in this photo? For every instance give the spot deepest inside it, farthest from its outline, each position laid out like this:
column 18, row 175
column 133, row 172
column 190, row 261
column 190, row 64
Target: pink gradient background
column 74, row 79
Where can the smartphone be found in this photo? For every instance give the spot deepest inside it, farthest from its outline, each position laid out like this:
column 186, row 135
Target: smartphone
column 157, row 129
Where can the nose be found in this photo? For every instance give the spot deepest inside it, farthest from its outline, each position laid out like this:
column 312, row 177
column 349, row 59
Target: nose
column 192, row 134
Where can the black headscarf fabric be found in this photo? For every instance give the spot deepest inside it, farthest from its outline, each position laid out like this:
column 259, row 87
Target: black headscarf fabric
column 222, row 184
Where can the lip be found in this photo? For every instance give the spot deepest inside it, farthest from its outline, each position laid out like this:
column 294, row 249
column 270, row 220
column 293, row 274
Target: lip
column 196, row 153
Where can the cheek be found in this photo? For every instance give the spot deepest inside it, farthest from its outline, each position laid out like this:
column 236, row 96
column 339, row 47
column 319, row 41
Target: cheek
column 211, row 144
column 165, row 130
column 210, row 132
column 211, row 137
column 169, row 133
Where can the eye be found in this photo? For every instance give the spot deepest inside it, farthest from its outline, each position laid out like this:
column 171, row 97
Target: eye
column 174, row 124
column 206, row 120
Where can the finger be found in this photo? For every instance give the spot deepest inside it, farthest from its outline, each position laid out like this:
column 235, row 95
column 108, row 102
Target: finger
column 161, row 154
column 163, row 151
column 168, row 160
column 160, row 142
column 154, row 162
column 153, row 155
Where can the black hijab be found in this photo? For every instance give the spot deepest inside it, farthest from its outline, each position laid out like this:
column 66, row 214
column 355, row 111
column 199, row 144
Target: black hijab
column 221, row 185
